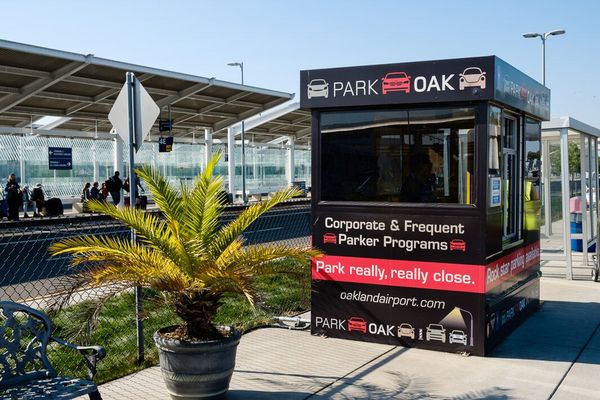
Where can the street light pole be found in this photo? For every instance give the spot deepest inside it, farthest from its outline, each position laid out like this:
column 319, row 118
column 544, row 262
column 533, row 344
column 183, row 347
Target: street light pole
column 244, row 198
column 544, row 36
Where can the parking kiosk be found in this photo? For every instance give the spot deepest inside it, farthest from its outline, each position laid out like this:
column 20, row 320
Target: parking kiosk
column 425, row 201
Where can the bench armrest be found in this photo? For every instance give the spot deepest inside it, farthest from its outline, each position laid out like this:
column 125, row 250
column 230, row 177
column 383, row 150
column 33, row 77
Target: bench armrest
column 92, row 354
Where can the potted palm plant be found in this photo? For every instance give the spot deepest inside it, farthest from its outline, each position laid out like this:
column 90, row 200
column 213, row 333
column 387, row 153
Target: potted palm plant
column 193, row 260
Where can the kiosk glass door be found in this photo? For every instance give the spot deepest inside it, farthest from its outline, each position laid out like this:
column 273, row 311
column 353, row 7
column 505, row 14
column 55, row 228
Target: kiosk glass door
column 511, row 177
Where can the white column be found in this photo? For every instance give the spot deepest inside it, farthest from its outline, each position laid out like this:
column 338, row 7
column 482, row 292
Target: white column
column 95, row 161
column 22, row 178
column 118, row 160
column 564, row 171
column 231, row 161
column 584, row 162
column 289, row 170
column 208, row 145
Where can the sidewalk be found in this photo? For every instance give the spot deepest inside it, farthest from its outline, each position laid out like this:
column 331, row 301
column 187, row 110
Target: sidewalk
column 555, row 354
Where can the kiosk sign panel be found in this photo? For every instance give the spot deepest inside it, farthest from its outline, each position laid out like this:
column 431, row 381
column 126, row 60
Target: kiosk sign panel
column 406, row 209
column 418, row 82
column 463, row 79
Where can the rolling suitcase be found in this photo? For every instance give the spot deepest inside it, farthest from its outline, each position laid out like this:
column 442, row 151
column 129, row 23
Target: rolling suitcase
column 54, row 207
column 141, row 202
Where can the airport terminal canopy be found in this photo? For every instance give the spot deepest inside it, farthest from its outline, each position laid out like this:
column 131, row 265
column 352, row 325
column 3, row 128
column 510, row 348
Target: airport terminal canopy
column 81, row 89
column 277, row 126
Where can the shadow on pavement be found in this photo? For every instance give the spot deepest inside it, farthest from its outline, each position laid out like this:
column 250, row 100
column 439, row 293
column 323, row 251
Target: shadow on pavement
column 264, row 395
column 559, row 331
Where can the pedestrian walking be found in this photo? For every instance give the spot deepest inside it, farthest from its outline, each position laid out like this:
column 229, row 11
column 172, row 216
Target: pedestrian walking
column 114, row 185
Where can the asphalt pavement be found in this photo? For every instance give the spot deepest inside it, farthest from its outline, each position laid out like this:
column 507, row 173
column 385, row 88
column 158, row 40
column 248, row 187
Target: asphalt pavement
column 555, row 354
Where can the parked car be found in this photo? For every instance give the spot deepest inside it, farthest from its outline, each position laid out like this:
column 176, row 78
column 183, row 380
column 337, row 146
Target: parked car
column 357, row 324
column 436, row 332
column 406, row 330
column 318, row 88
column 471, row 77
column 458, row 336
column 395, row 82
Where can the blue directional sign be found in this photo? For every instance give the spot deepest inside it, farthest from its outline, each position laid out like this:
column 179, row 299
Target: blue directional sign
column 60, row 158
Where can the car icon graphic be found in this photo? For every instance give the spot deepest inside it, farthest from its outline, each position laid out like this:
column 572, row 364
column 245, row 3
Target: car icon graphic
column 471, row 77
column 458, row 336
column 318, row 88
column 406, row 330
column 329, row 238
column 435, row 332
column 458, row 244
column 357, row 324
column 395, row 82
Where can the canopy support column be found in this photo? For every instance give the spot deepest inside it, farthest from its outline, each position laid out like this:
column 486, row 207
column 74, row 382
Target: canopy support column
column 289, row 171
column 231, row 161
column 208, row 145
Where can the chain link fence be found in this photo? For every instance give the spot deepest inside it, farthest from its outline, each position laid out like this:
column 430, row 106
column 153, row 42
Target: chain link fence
column 29, row 275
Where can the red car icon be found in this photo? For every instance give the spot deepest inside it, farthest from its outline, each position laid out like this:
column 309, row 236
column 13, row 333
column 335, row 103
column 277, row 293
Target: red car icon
column 458, row 244
column 329, row 238
column 357, row 324
column 395, row 82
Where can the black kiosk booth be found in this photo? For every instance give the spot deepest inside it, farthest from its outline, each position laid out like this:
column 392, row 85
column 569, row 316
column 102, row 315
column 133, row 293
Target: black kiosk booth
column 425, row 200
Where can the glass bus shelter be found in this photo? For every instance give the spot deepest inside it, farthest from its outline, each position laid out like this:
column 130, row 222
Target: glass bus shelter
column 569, row 203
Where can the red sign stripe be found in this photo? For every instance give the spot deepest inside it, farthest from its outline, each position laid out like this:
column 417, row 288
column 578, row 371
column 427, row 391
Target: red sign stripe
column 427, row 275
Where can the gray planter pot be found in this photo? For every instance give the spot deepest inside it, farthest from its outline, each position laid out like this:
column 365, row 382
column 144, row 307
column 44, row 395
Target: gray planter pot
column 197, row 370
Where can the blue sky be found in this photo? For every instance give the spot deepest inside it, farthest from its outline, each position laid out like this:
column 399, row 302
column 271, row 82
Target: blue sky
column 276, row 39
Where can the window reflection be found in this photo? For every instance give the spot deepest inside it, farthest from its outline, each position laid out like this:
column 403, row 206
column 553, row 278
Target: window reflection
column 409, row 156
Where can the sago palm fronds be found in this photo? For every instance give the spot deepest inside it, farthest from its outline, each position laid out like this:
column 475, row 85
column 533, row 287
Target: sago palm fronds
column 186, row 254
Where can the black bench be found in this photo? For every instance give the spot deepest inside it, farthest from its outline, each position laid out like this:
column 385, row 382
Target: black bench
column 25, row 371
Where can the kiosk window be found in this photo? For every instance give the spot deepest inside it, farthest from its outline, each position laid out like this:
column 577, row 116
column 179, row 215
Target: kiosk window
column 405, row 156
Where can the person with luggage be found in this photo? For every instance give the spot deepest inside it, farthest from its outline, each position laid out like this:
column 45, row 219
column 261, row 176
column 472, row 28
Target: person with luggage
column 37, row 196
column 137, row 184
column 27, row 203
column 114, row 184
column 12, row 191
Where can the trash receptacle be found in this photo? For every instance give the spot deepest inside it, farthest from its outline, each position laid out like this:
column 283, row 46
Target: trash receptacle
column 575, row 217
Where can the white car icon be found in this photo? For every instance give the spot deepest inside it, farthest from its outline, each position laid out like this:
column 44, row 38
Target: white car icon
column 458, row 336
column 435, row 332
column 472, row 77
column 318, row 88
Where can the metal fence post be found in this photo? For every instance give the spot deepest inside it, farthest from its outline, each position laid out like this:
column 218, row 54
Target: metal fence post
column 134, row 125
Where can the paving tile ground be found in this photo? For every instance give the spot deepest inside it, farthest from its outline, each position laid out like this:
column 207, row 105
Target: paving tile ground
column 555, row 354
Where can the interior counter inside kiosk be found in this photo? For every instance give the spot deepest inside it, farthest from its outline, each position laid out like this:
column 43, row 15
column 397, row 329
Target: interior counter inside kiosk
column 425, row 201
